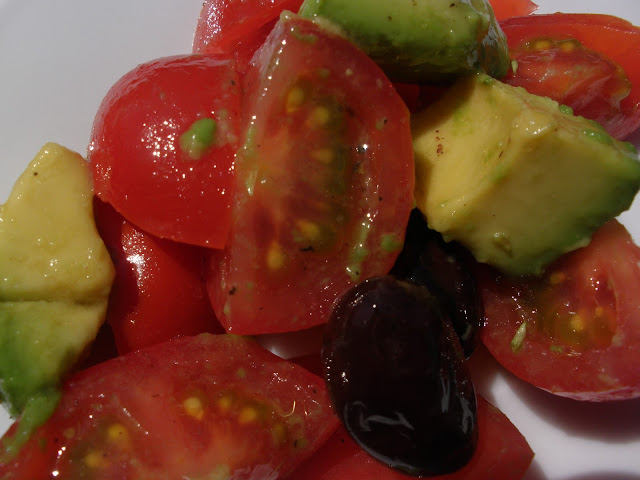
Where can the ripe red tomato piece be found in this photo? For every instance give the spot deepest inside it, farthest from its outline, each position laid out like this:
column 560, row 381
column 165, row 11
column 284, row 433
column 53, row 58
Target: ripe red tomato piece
column 158, row 292
column 211, row 406
column 512, row 8
column 575, row 330
column 502, row 453
column 163, row 144
column 589, row 62
column 238, row 27
column 325, row 183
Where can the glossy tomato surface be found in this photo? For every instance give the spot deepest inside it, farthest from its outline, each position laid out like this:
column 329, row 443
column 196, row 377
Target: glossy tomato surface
column 324, row 182
column 589, row 62
column 163, row 145
column 502, row 454
column 574, row 331
column 211, row 406
column 158, row 292
column 512, row 8
column 238, row 28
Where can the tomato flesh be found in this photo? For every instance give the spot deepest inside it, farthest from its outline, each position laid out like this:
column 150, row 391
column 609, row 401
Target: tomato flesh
column 575, row 330
column 212, row 406
column 163, row 144
column 589, row 62
column 324, row 183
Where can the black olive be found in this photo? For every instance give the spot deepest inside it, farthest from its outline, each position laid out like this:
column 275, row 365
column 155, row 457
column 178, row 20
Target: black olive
column 446, row 268
column 398, row 379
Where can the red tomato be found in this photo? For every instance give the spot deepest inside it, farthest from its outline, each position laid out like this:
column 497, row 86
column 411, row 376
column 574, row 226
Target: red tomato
column 586, row 61
column 238, row 27
column 575, row 330
column 212, row 406
column 158, row 292
column 325, row 183
column 502, row 453
column 163, row 144
column 512, row 8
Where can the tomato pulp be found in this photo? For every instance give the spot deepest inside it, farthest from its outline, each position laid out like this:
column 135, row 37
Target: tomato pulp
column 214, row 406
column 575, row 330
column 589, row 62
column 324, row 182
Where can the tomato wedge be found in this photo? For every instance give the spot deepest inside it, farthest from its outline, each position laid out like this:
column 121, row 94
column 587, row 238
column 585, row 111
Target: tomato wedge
column 324, row 182
column 158, row 292
column 502, row 453
column 238, row 27
column 163, row 144
column 589, row 62
column 575, row 330
column 211, row 406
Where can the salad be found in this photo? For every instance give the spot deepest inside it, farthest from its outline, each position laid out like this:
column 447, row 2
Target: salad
column 599, row 440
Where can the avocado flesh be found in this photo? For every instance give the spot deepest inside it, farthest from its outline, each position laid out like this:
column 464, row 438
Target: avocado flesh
column 421, row 40
column 516, row 178
column 55, row 276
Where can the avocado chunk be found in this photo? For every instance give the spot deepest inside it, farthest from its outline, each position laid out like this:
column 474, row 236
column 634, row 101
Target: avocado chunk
column 516, row 178
column 55, row 277
column 421, row 40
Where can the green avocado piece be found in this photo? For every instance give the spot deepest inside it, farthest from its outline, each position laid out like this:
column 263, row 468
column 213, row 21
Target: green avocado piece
column 517, row 178
column 421, row 40
column 55, row 276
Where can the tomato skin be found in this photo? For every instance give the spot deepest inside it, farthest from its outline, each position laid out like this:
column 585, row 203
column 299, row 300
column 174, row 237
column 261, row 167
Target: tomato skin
column 502, row 454
column 583, row 320
column 184, row 409
column 158, row 292
column 512, row 8
column 238, row 28
column 138, row 162
column 612, row 37
column 306, row 227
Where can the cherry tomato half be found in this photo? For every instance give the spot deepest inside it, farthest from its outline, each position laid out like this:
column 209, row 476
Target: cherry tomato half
column 589, row 62
column 324, row 182
column 163, row 144
column 575, row 330
column 211, row 406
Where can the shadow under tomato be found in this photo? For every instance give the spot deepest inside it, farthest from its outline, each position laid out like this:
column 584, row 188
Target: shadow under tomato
column 605, row 476
column 536, row 473
column 612, row 422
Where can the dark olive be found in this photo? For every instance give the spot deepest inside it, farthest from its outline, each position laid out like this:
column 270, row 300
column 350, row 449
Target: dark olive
column 398, row 378
column 446, row 268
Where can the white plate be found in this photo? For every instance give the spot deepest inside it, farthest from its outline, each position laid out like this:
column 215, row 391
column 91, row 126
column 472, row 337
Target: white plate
column 59, row 58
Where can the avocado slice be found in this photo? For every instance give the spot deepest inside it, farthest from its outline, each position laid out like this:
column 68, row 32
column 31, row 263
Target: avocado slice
column 517, row 178
column 55, row 278
column 420, row 40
